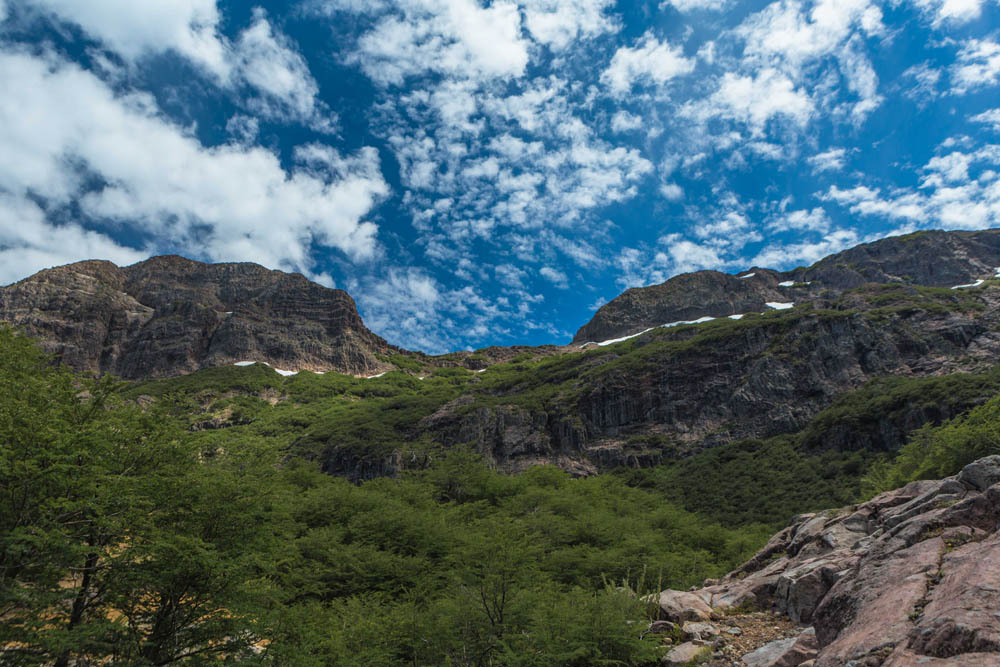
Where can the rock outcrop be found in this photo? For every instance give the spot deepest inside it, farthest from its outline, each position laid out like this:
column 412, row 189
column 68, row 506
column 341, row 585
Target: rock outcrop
column 931, row 258
column 909, row 577
column 169, row 315
column 676, row 393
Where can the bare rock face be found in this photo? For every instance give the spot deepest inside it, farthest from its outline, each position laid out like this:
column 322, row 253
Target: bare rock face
column 169, row 315
column 910, row 577
column 931, row 258
column 686, row 297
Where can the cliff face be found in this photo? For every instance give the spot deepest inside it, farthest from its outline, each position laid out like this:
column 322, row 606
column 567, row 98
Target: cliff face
column 910, row 577
column 934, row 259
column 677, row 391
column 169, row 315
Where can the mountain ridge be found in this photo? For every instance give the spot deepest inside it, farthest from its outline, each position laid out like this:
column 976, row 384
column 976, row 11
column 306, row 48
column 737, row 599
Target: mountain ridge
column 169, row 315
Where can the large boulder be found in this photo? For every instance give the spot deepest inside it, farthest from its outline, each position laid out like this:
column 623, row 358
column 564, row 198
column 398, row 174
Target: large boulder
column 685, row 654
column 981, row 474
column 680, row 606
column 791, row 652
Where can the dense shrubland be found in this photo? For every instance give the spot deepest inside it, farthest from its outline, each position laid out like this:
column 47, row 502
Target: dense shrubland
column 125, row 535
column 173, row 521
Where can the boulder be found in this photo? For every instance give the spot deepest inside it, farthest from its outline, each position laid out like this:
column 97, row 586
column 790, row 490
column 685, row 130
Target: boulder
column 681, row 606
column 662, row 627
column 791, row 652
column 981, row 474
column 769, row 654
column 685, row 653
column 699, row 631
column 911, row 577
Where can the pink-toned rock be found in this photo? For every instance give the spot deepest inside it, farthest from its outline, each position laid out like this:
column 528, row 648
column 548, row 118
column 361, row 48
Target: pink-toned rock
column 911, row 577
column 791, row 652
column 864, row 613
column 961, row 614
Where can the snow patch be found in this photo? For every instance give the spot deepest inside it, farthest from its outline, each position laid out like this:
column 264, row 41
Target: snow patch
column 975, row 284
column 623, row 338
column 700, row 320
column 736, row 317
column 229, row 312
column 372, row 377
column 483, row 370
column 777, row 305
column 749, row 275
column 787, row 283
column 276, row 370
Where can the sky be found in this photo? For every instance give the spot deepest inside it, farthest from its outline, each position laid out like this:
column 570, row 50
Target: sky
column 479, row 172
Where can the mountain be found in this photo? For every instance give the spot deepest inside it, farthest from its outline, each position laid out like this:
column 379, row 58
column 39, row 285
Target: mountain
column 930, row 258
column 170, row 315
column 891, row 356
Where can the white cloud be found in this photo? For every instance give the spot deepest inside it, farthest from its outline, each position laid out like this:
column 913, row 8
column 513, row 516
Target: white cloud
column 137, row 29
column 554, row 276
column 268, row 62
column 951, row 11
column 649, row 62
column 410, row 307
column 261, row 57
column 755, row 100
column 685, row 256
column 458, row 38
column 3, row 10
column 227, row 202
column 694, row 5
column 950, row 196
column 800, row 44
column 867, row 201
column 623, row 121
column 831, row 160
column 805, row 253
column 784, row 34
column 672, row 191
column 978, row 65
column 925, row 83
column 28, row 242
column 559, row 23
column 990, row 117
column 815, row 220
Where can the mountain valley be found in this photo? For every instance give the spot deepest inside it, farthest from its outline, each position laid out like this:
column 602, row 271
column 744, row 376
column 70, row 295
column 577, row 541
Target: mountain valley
column 683, row 425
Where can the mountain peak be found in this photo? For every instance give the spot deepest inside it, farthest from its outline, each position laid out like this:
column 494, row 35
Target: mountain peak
column 170, row 315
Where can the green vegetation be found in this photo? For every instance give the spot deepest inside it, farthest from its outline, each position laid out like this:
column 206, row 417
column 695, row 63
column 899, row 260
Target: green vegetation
column 187, row 520
column 126, row 536
column 934, row 452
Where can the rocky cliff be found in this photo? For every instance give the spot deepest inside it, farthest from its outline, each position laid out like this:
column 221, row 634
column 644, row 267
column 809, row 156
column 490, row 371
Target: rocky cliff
column 676, row 391
column 169, row 315
column 932, row 258
column 911, row 577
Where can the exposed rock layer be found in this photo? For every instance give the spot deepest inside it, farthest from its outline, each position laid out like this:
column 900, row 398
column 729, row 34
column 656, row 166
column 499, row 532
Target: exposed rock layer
column 932, row 258
column 910, row 577
column 169, row 315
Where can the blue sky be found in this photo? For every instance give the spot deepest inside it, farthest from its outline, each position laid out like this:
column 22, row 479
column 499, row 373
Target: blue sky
column 477, row 172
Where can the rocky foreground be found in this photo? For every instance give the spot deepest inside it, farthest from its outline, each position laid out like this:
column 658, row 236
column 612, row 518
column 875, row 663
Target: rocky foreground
column 911, row 577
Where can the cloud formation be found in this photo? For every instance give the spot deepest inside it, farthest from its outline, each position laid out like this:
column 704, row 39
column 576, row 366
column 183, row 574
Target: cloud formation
column 120, row 161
